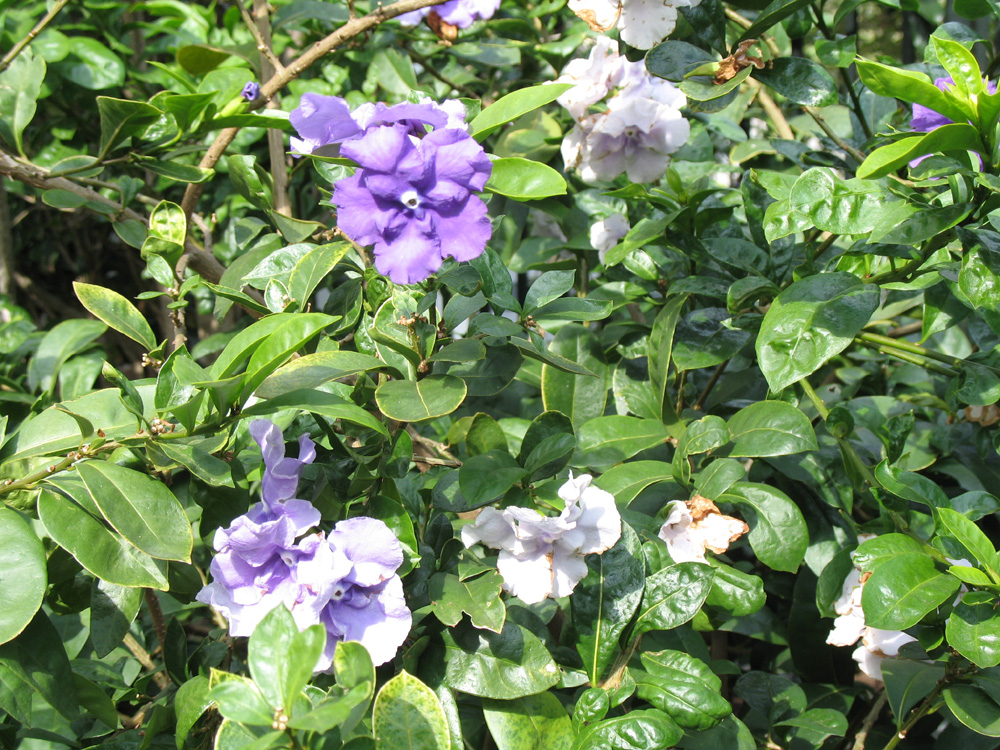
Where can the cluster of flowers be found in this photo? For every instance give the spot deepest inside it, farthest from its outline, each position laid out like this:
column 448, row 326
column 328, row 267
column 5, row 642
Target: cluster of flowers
column 640, row 23
column 347, row 580
column 543, row 556
column 460, row 13
column 412, row 196
column 641, row 126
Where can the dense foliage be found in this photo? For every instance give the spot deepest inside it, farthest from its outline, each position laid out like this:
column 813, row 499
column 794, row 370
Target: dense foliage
column 601, row 375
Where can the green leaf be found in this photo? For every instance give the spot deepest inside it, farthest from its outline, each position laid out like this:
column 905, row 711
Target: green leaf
column 625, row 482
column 175, row 170
column 504, row 666
column 312, row 370
column 683, row 687
column 674, row 60
column 281, row 343
column 63, row 341
column 835, row 205
column 579, row 397
column 771, row 428
column 104, row 553
column 117, row 312
column 140, row 508
column 610, row 440
column 778, row 533
column 956, row 526
column 647, row 728
column 525, row 180
column 770, row 694
column 799, row 80
column 673, row 596
column 903, row 589
column 910, row 486
column 811, row 321
column 413, row 401
column 488, row 476
column 508, row 108
column 112, row 610
column 535, row 722
column 38, row 658
column 246, row 180
column 874, row 552
column 239, row 699
column 23, row 577
column 478, row 597
column 485, row 434
column 703, row 340
column 735, row 591
column 907, row 683
column 605, row 600
column 821, row 722
column 209, row 469
column 661, row 341
column 974, row 708
column 911, row 86
column 190, row 702
column 121, row 119
column 549, row 286
column 408, row 716
column 973, row 628
column 961, row 65
column 318, row 402
column 548, row 444
column 281, row 659
column 774, row 13
column 958, row 136
column 312, row 269
column 20, row 86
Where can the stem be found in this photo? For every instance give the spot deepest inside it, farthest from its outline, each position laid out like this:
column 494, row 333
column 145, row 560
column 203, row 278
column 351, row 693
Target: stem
column 816, row 400
column 906, row 346
column 269, row 65
column 261, row 33
column 746, row 23
column 932, row 246
column 6, row 246
column 773, row 111
column 905, row 356
column 283, row 77
column 925, row 708
column 869, row 722
column 841, row 143
column 711, row 384
column 142, row 656
column 39, row 27
column 156, row 615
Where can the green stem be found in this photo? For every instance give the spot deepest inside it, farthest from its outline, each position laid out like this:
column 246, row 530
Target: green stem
column 18, row 48
column 932, row 246
column 904, row 356
column 816, row 400
column 906, row 346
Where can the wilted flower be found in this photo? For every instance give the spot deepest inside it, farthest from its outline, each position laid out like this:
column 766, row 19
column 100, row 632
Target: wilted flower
column 347, row 581
column 412, row 199
column 251, row 91
column 697, row 525
column 607, row 232
column 543, row 556
column 641, row 23
column 460, row 13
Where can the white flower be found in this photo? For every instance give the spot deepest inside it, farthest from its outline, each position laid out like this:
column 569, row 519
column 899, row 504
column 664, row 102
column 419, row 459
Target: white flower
column 543, row 556
column 606, row 233
column 641, row 23
column 693, row 527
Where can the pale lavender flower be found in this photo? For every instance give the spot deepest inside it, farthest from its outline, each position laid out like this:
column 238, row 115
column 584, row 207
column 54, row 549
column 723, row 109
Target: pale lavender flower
column 251, row 91
column 321, row 121
column 640, row 23
column 607, row 232
column 346, row 581
column 460, row 13
column 412, row 199
column 415, row 116
column 543, row 556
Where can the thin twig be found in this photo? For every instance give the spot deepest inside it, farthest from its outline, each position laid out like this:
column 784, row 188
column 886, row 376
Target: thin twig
column 262, row 38
column 39, row 27
column 746, row 23
column 773, row 111
column 711, row 384
column 870, row 718
column 841, row 143
column 269, row 65
column 142, row 656
column 6, row 245
column 351, row 29
column 156, row 615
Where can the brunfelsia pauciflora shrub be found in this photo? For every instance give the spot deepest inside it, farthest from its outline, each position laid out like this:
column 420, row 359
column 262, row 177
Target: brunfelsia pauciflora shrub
column 642, row 366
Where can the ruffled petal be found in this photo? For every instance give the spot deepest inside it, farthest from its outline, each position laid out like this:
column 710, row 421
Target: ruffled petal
column 372, row 548
column 529, row 578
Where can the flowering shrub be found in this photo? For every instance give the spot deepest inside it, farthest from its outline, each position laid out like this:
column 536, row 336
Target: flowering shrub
column 425, row 375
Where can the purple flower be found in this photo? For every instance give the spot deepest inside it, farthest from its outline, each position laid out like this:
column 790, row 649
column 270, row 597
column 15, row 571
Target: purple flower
column 460, row 13
column 412, row 199
column 346, row 581
column 926, row 119
column 251, row 91
column 320, row 121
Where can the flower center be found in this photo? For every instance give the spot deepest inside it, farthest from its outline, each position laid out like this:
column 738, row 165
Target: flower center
column 410, row 199
column 338, row 593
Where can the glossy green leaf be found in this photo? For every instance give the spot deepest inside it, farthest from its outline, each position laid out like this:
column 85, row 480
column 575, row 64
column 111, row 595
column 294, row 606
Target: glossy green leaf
column 778, row 533
column 413, row 401
column 508, row 108
column 238, row 698
column 974, row 708
column 735, row 591
column 771, row 428
column 836, row 205
column 477, row 597
column 525, row 180
column 673, row 596
column 976, row 544
column 605, row 600
column 121, row 119
column 504, row 666
column 112, row 610
column 311, row 370
column 534, row 722
column 683, row 687
column 811, row 321
column 958, row 136
column 702, row 339
column 140, row 508
column 117, row 312
column 661, row 341
column 907, row 683
column 629, row 479
column 409, row 716
column 610, row 440
column 644, row 728
column 59, row 344
column 580, row 397
column 23, row 577
column 910, row 486
column 281, row 342
column 488, row 476
column 911, row 86
column 799, row 80
column 973, row 628
column 101, row 551
column 38, row 658
column 20, row 86
column 903, row 589
column 190, row 702
column 281, row 659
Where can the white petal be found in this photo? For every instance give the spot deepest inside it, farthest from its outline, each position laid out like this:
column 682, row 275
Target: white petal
column 871, row 664
column 568, row 569
column 847, row 629
column 492, row 528
column 645, row 23
column 600, row 521
column 845, row 603
column 600, row 15
column 886, row 642
column 606, row 233
column 529, row 579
